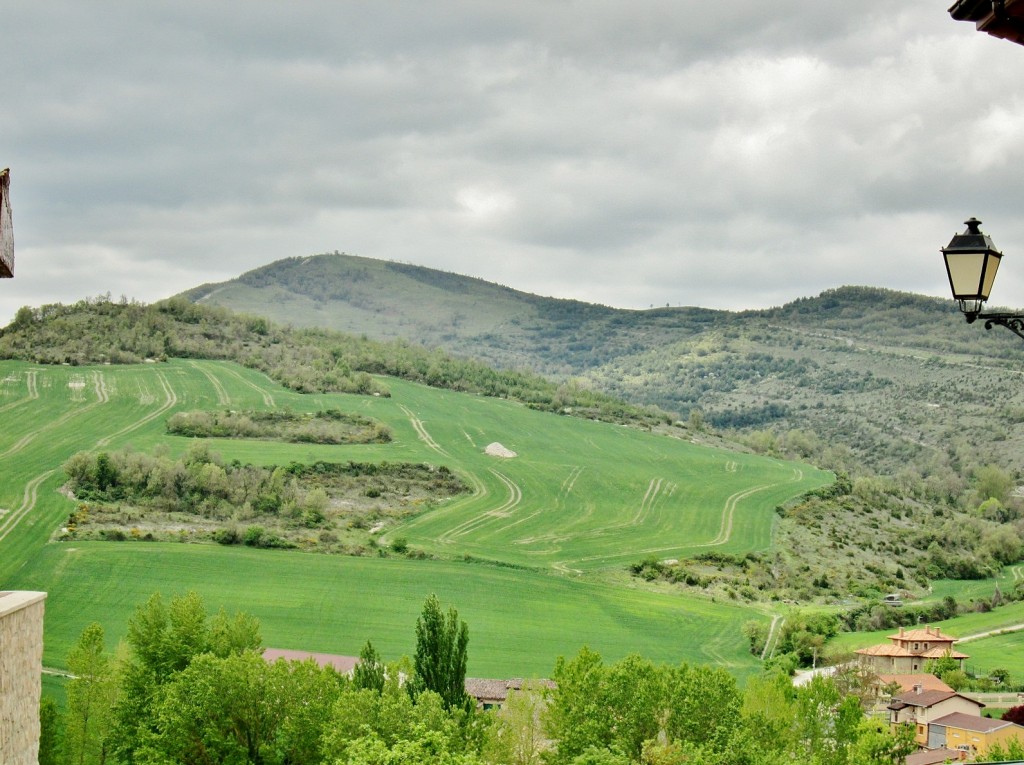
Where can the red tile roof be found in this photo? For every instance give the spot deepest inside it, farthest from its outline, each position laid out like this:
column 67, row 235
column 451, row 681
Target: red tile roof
column 907, row 682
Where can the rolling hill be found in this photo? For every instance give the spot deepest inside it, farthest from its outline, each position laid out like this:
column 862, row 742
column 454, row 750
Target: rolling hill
column 582, row 498
column 883, row 380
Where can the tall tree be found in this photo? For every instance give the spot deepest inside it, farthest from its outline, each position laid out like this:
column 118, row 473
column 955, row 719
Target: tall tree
column 441, row 654
column 90, row 699
column 369, row 673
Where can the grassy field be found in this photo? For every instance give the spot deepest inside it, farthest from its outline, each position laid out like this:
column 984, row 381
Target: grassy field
column 519, row 621
column 580, row 501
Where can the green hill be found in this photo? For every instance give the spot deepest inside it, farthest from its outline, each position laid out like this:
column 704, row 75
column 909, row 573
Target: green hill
column 603, row 495
column 882, row 379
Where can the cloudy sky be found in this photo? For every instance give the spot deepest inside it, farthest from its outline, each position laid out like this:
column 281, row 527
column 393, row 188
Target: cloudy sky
column 730, row 154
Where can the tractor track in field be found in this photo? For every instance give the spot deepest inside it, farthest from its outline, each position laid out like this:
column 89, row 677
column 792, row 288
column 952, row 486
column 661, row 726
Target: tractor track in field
column 32, row 394
column 100, row 386
column 421, row 431
column 487, row 516
column 646, row 503
column 10, row 521
column 30, row 437
column 171, row 398
column 725, row 528
column 268, row 399
column 223, row 399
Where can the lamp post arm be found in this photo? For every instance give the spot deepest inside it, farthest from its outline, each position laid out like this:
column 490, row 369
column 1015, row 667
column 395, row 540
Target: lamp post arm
column 1012, row 321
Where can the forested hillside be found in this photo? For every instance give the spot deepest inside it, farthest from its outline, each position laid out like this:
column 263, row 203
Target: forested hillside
column 922, row 412
column 884, row 379
column 307, row 360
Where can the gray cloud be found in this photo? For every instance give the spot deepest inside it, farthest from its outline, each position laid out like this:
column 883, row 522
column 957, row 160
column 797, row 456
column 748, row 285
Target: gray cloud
column 732, row 155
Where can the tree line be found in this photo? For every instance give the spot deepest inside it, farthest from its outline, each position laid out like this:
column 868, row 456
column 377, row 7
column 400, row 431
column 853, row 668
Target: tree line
column 126, row 487
column 330, row 426
column 305, row 360
column 188, row 688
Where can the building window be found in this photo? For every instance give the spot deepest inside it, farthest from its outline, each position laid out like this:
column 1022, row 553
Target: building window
column 916, row 646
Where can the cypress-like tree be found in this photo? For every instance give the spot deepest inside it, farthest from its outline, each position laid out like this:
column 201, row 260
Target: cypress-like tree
column 369, row 673
column 440, row 661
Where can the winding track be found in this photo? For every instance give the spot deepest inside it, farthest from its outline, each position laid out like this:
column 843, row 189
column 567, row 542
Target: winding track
column 171, row 398
column 11, row 520
column 28, row 502
column 421, row 431
column 487, row 516
column 223, row 399
column 33, row 392
column 268, row 400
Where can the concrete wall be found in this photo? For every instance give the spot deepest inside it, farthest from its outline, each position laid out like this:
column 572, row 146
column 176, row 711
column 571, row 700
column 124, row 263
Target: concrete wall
column 21, row 665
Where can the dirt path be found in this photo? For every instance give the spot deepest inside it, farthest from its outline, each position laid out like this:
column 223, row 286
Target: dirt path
column 990, row 633
column 777, row 622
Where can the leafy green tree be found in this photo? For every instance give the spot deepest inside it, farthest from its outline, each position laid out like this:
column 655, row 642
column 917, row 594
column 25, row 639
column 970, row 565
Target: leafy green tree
column 424, row 747
column 441, row 654
column 941, row 665
column 49, row 733
column 594, row 755
column 704, row 706
column 369, row 672
column 574, row 718
column 634, row 695
column 992, row 482
column 163, row 640
column 240, row 709
column 877, row 745
column 90, row 699
column 392, row 716
column 516, row 736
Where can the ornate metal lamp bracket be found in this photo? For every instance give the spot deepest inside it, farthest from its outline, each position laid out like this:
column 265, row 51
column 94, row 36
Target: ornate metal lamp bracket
column 1013, row 322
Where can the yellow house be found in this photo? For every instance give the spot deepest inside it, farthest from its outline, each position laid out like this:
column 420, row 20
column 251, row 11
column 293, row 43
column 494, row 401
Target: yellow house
column 971, row 734
column 921, row 708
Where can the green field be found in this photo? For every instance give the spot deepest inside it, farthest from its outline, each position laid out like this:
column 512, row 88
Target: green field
column 579, row 502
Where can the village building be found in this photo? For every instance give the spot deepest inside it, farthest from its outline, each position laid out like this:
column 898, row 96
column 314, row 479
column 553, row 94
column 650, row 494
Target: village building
column 920, row 708
column 492, row 694
column 972, row 734
column 909, row 651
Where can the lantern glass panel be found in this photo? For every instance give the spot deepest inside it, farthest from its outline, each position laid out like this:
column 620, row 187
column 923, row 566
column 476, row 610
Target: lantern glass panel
column 966, row 270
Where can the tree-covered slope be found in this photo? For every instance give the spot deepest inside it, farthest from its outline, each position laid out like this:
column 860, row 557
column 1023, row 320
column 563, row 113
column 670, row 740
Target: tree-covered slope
column 881, row 379
column 305, row 360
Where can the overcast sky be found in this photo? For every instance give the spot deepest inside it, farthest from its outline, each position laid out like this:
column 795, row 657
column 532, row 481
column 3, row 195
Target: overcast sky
column 728, row 154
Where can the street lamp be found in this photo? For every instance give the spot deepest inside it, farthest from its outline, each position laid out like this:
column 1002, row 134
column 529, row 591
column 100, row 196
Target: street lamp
column 971, row 264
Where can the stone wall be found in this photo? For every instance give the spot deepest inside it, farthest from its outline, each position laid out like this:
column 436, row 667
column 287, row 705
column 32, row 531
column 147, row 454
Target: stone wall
column 21, row 665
